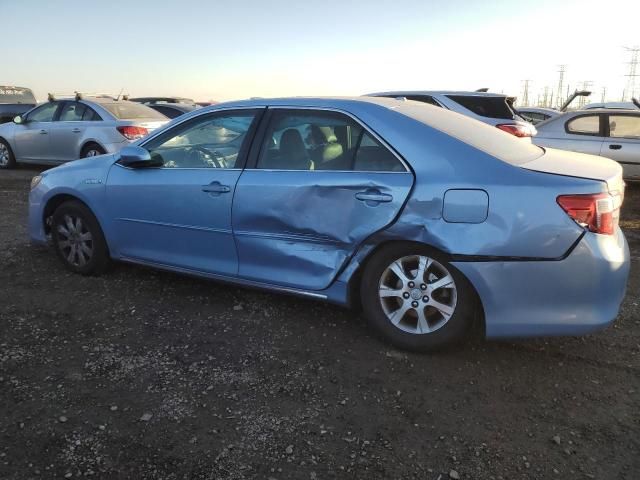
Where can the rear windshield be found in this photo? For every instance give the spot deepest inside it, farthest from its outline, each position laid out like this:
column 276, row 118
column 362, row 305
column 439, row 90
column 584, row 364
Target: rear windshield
column 482, row 136
column 132, row 111
column 16, row 95
column 491, row 107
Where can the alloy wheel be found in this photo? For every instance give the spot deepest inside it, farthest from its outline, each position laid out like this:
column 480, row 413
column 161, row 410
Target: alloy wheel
column 4, row 155
column 75, row 241
column 418, row 294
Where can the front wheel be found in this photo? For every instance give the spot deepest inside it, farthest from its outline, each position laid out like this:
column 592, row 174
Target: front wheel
column 415, row 299
column 78, row 239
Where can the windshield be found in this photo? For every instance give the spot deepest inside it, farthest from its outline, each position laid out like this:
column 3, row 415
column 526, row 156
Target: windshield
column 132, row 111
column 16, row 95
column 487, row 138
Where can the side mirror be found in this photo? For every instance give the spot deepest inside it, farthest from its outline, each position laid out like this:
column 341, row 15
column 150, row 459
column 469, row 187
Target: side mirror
column 18, row 120
column 134, row 156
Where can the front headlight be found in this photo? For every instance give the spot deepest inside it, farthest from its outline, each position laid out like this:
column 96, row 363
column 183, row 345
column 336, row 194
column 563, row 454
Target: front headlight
column 35, row 181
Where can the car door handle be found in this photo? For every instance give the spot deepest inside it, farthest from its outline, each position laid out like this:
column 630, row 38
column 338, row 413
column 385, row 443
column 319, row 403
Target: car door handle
column 373, row 195
column 43, row 132
column 215, row 188
column 615, row 147
column 76, row 130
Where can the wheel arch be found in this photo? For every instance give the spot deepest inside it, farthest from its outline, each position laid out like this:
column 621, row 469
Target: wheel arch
column 353, row 286
column 90, row 141
column 54, row 202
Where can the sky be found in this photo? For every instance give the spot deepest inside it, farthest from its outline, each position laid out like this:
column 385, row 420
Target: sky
column 223, row 50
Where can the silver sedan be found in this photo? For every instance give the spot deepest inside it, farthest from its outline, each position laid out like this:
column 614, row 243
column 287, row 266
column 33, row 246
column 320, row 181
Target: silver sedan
column 610, row 133
column 67, row 129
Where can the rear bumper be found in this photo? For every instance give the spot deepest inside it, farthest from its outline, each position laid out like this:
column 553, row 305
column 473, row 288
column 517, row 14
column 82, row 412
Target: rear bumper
column 577, row 295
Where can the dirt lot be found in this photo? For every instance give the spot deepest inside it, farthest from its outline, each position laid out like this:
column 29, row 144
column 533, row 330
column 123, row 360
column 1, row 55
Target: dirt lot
column 140, row 374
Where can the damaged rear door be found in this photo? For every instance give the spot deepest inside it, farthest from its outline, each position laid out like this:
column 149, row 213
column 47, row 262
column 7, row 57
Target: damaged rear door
column 321, row 184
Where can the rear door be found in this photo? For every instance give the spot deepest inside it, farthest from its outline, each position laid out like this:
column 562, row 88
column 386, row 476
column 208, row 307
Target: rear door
column 582, row 133
column 622, row 143
column 68, row 132
column 319, row 185
column 32, row 138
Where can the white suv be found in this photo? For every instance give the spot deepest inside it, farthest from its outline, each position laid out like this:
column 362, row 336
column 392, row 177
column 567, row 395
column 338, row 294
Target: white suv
column 491, row 108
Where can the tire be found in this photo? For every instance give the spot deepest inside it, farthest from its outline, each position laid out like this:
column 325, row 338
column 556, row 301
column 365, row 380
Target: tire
column 91, row 150
column 406, row 310
column 78, row 239
column 7, row 159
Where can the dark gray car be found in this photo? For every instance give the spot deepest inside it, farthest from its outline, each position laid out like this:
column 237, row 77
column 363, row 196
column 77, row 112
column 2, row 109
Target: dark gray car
column 15, row 101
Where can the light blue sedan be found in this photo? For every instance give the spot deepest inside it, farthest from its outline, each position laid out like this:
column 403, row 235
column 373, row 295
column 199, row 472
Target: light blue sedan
column 428, row 220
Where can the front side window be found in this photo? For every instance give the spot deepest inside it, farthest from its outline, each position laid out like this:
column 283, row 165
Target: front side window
column 624, row 126
column 45, row 113
column 584, row 125
column 72, row 112
column 306, row 140
column 208, row 141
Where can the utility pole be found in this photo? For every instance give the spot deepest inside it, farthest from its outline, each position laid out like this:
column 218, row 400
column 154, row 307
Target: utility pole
column 560, row 94
column 525, row 94
column 630, row 90
column 603, row 97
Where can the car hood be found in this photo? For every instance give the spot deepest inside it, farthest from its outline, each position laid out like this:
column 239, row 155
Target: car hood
column 581, row 165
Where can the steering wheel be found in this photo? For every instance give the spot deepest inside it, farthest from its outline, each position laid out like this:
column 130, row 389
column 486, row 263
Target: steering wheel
column 205, row 156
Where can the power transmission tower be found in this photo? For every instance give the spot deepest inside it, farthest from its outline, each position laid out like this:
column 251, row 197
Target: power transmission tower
column 560, row 94
column 603, row 97
column 525, row 93
column 630, row 90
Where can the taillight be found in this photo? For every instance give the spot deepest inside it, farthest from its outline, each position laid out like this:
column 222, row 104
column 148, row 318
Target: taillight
column 599, row 213
column 132, row 132
column 518, row 129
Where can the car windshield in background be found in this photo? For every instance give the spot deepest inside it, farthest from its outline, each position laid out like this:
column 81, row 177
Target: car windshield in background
column 131, row 111
column 16, row 95
column 492, row 107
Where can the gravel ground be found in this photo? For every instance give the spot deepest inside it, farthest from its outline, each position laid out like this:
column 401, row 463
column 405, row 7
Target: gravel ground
column 141, row 374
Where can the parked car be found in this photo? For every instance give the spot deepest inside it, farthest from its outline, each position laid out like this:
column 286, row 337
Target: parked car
column 535, row 115
column 172, row 110
column 492, row 108
column 61, row 130
column 611, row 133
column 15, row 101
column 428, row 219
column 149, row 100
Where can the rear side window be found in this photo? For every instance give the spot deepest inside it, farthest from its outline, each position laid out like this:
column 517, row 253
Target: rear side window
column 624, row 126
column 309, row 140
column 132, row 111
column 167, row 111
column 485, row 106
column 424, row 99
column 584, row 125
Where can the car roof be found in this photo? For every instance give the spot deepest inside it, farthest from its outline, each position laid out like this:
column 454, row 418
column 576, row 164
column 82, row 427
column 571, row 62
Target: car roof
column 617, row 111
column 537, row 109
column 162, row 99
column 401, row 93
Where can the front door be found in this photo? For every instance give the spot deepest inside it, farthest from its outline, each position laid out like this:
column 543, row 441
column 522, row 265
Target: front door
column 179, row 215
column 32, row 137
column 320, row 186
column 623, row 142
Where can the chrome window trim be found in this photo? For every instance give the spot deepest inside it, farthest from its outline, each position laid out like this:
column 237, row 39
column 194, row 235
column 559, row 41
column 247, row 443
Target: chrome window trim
column 359, row 122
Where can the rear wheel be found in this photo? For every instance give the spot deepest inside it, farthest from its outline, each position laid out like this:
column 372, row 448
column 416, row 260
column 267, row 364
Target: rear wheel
column 415, row 298
column 7, row 160
column 91, row 150
column 78, row 239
